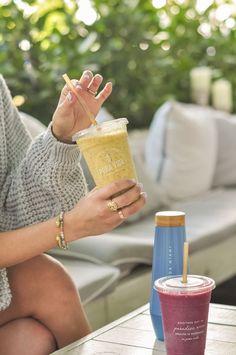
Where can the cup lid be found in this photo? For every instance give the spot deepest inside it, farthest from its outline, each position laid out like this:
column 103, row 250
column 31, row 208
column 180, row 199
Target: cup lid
column 170, row 219
column 174, row 284
column 103, row 127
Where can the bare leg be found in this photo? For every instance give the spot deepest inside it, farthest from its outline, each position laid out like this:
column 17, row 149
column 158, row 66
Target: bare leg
column 43, row 290
column 26, row 336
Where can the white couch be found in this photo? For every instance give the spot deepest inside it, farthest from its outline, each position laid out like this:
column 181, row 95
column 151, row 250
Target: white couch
column 112, row 272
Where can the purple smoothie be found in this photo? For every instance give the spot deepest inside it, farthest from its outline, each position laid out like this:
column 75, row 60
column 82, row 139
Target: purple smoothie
column 185, row 313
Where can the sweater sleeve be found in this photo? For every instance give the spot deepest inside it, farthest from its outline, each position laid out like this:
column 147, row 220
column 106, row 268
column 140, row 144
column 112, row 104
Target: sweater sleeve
column 38, row 178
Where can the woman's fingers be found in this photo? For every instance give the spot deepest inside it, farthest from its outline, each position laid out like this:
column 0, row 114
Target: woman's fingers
column 91, row 85
column 134, row 207
column 85, row 79
column 66, row 90
column 122, row 213
column 115, row 188
column 122, row 199
column 94, row 84
column 104, row 93
column 102, row 218
column 129, row 196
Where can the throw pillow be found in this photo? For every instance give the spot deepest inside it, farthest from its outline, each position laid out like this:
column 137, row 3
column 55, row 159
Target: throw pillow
column 155, row 141
column 155, row 198
column 185, row 155
column 225, row 172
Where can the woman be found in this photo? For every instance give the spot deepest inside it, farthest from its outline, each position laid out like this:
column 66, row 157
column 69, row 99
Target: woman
column 40, row 309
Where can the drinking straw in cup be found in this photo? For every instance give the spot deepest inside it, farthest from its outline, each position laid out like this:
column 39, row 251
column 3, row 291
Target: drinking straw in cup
column 185, row 263
column 81, row 101
column 185, row 305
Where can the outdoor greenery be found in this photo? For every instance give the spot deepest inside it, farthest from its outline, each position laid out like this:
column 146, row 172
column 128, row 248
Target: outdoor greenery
column 146, row 48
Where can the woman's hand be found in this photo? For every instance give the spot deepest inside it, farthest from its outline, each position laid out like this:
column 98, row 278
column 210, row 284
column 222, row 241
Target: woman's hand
column 70, row 116
column 92, row 215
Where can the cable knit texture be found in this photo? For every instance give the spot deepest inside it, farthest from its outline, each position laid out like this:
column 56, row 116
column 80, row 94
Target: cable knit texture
column 38, row 178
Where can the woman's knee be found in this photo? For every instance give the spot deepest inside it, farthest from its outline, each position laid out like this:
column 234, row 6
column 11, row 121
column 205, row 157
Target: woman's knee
column 57, row 288
column 26, row 336
column 56, row 278
column 42, row 283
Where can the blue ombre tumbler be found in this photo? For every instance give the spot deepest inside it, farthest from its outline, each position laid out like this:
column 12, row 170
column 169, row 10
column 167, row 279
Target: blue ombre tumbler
column 167, row 257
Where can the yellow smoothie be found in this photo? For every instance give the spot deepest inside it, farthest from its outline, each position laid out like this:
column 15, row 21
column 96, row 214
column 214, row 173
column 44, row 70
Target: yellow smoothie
column 107, row 154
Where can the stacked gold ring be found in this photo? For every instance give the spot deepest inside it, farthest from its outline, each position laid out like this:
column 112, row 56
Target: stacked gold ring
column 112, row 205
column 121, row 214
column 90, row 91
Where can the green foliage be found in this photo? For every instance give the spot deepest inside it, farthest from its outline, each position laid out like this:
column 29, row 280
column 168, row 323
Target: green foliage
column 146, row 52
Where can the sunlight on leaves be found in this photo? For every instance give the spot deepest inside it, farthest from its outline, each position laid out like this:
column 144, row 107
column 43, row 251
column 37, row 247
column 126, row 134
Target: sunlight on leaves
column 86, row 12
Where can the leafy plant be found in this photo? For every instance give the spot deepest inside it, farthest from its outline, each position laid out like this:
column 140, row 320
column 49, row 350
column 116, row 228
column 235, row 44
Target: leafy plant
column 147, row 52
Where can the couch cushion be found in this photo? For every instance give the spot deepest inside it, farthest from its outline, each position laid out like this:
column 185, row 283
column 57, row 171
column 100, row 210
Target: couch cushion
column 92, row 280
column 210, row 217
column 34, row 126
column 225, row 172
column 181, row 149
column 120, row 250
column 104, row 115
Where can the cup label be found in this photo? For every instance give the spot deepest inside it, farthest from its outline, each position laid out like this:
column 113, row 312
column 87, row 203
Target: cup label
column 109, row 163
column 190, row 330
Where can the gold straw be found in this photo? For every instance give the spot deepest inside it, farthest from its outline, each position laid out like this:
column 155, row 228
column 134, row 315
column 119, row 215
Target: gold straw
column 185, row 263
column 81, row 101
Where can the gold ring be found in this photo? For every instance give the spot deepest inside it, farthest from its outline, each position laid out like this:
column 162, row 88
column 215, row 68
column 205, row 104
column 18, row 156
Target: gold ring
column 121, row 214
column 91, row 92
column 112, row 205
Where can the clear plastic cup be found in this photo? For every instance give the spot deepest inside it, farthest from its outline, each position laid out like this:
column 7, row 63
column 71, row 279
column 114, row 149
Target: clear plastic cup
column 184, row 308
column 106, row 151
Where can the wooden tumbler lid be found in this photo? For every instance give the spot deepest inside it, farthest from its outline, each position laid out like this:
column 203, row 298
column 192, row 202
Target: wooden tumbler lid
column 170, row 219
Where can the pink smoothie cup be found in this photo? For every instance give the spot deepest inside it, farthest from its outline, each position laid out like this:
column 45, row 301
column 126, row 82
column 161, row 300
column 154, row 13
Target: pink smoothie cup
column 184, row 308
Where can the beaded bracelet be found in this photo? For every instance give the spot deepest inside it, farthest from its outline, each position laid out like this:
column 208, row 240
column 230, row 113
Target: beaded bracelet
column 60, row 237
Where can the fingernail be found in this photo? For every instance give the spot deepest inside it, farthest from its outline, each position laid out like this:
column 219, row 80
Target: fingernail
column 143, row 193
column 98, row 76
column 69, row 96
column 87, row 77
column 109, row 84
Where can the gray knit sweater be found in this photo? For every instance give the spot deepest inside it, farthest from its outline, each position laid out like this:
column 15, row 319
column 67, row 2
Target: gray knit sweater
column 38, row 178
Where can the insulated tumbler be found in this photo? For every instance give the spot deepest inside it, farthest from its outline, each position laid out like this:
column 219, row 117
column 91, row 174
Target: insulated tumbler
column 167, row 257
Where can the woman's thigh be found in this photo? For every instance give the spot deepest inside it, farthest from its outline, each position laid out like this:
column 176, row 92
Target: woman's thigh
column 42, row 289
column 34, row 285
column 26, row 336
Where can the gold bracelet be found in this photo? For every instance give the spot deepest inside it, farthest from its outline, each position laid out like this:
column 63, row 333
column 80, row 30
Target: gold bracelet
column 60, row 237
